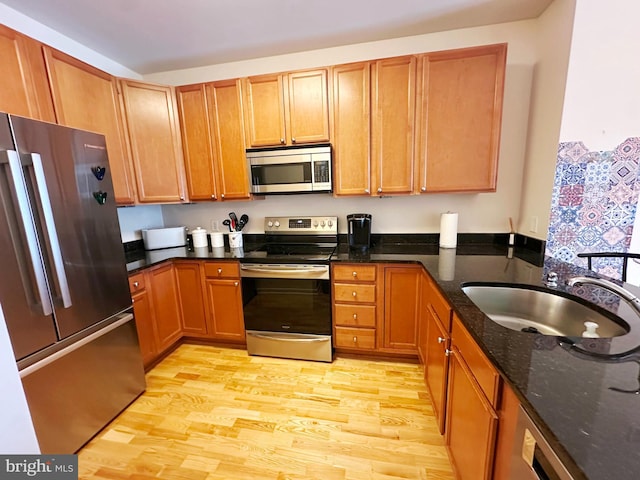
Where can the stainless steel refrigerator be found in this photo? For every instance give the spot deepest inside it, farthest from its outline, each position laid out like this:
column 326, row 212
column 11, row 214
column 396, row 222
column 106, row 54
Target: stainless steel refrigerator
column 63, row 281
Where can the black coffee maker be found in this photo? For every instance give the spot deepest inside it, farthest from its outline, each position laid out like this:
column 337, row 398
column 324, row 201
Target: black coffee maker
column 359, row 231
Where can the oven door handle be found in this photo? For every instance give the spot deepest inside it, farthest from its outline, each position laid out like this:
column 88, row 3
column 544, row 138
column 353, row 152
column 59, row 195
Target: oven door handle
column 286, row 338
column 283, row 268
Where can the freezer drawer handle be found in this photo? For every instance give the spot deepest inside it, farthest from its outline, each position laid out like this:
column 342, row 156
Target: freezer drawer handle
column 54, row 242
column 15, row 167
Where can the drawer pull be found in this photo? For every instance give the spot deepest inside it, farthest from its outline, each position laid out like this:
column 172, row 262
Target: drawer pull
column 441, row 340
column 355, row 339
column 235, row 284
column 219, row 271
column 355, row 274
column 447, row 352
column 354, row 293
column 136, row 284
column 355, row 316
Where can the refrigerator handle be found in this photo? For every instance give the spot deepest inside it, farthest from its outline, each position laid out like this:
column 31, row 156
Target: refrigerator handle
column 54, row 242
column 15, row 167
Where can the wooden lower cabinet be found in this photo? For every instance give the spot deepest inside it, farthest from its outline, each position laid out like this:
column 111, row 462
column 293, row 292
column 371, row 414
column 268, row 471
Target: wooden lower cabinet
column 437, row 367
column 192, row 305
column 224, row 301
column 401, row 308
column 143, row 314
column 165, row 303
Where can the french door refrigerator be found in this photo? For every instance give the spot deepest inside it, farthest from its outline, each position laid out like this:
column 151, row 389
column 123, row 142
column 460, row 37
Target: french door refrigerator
column 63, row 281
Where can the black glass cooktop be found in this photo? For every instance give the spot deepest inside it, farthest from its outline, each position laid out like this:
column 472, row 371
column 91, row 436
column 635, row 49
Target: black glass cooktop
column 293, row 251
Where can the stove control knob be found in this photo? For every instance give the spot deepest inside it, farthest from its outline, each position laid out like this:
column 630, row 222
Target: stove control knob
column 315, row 223
column 269, row 224
column 277, row 224
column 330, row 223
column 322, row 223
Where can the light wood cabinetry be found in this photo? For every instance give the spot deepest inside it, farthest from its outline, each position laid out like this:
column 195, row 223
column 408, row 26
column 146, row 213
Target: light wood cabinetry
column 152, row 122
column 287, row 109
column 88, row 99
column 224, row 301
column 351, row 128
column 192, row 305
column 460, row 116
column 401, row 308
column 213, row 142
column 393, row 88
column 24, row 88
column 354, row 306
column 472, row 420
column 507, row 421
column 145, row 324
column 165, row 303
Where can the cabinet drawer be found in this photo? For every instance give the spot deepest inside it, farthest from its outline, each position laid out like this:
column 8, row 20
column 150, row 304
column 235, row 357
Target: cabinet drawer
column 440, row 307
column 354, row 293
column 221, row 270
column 355, row 315
column 354, row 273
column 361, row 338
column 136, row 282
column 483, row 371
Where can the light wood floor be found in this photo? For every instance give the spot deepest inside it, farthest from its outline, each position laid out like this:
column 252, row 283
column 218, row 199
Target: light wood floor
column 216, row 413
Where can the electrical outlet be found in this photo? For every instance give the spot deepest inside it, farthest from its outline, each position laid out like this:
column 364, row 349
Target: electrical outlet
column 534, row 225
column 215, row 226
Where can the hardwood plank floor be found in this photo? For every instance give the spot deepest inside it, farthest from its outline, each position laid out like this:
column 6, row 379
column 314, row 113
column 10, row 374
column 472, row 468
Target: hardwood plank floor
column 216, row 413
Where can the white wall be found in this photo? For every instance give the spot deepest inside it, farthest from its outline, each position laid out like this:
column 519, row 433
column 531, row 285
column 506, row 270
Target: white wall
column 487, row 212
column 16, row 20
column 133, row 219
column 553, row 39
column 17, row 435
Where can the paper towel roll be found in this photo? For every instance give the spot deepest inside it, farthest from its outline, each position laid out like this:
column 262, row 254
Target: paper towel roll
column 449, row 230
column 447, row 264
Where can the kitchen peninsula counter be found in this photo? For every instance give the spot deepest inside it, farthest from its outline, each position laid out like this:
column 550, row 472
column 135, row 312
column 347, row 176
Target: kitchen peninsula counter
column 594, row 430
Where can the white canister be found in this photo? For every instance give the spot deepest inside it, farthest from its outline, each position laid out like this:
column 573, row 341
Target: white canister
column 235, row 239
column 217, row 240
column 199, row 236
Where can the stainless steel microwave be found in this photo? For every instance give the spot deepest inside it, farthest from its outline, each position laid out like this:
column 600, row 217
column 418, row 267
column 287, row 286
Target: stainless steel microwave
column 298, row 169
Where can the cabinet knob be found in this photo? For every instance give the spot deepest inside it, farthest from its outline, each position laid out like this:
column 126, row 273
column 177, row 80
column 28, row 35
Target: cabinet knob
column 380, row 190
column 182, row 198
column 136, row 284
column 293, row 140
column 219, row 271
column 423, row 189
column 355, row 339
column 282, row 141
column 213, row 196
column 355, row 316
column 235, row 284
column 222, row 195
column 366, row 190
column 354, row 294
column 133, row 300
column 355, row 274
column 441, row 340
column 447, row 352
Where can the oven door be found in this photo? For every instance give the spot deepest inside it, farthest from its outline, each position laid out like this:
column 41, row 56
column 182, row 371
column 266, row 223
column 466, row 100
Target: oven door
column 287, row 310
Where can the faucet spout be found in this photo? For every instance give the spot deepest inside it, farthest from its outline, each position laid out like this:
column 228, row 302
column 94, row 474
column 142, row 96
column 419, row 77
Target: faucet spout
column 623, row 293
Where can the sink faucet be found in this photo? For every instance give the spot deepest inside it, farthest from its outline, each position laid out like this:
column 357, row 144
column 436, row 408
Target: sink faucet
column 623, row 293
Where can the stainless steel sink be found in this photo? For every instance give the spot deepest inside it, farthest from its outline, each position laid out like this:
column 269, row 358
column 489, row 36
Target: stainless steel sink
column 547, row 312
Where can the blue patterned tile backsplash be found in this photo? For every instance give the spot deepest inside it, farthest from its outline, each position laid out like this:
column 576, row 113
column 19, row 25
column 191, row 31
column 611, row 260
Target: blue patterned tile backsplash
column 593, row 205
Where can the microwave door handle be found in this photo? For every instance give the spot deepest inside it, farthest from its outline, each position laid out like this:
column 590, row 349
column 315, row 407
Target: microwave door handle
column 54, row 241
column 24, row 210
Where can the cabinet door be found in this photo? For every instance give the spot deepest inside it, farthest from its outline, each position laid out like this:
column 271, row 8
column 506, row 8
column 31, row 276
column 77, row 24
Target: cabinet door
column 393, row 106
column 197, row 142
column 87, row 98
column 24, row 89
column 194, row 319
column 401, row 305
column 166, row 305
column 145, row 327
column 351, row 134
column 461, row 114
column 155, row 141
column 437, row 366
column 225, row 310
column 264, row 111
column 225, row 109
column 471, row 424
column 308, row 107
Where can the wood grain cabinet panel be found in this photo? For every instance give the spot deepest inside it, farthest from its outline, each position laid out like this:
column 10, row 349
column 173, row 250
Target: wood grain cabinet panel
column 24, row 88
column 192, row 306
column 153, row 127
column 287, row 109
column 145, row 327
column 401, row 307
column 460, row 116
column 355, row 338
column 88, row 99
column 393, row 125
column 437, row 366
column 224, row 301
column 351, row 128
column 165, row 302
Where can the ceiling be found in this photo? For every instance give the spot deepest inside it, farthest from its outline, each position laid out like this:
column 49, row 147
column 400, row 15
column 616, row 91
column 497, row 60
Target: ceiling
column 149, row 36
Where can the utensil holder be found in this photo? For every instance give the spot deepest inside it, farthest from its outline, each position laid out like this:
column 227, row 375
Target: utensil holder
column 235, row 239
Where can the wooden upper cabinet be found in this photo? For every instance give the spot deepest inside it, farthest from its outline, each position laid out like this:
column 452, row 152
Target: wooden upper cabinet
column 287, row 109
column 224, row 104
column 460, row 117
column 87, row 98
column 150, row 112
column 197, row 142
column 351, row 100
column 393, row 124
column 24, row 89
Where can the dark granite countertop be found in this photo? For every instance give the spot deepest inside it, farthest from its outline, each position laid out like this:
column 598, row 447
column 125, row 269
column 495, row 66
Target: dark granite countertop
column 578, row 403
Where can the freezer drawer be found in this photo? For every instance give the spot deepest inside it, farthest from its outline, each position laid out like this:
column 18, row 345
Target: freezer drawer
column 75, row 392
